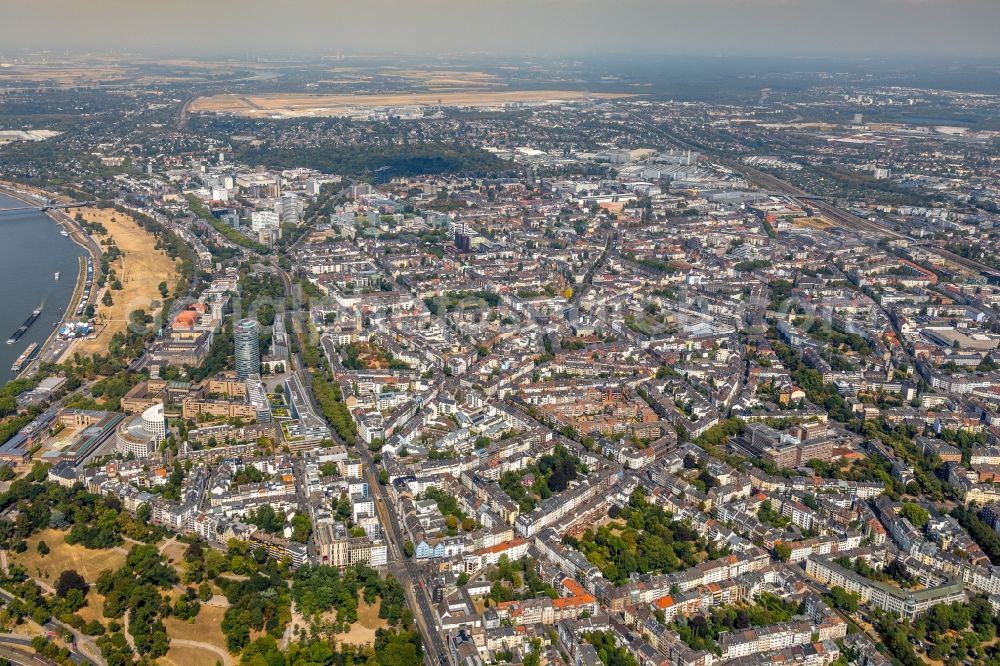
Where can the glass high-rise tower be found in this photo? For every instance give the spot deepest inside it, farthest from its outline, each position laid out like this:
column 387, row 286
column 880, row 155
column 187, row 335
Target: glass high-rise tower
column 246, row 335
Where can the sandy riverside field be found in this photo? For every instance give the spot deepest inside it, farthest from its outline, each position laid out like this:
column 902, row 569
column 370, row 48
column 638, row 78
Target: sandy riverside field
column 140, row 271
column 295, row 105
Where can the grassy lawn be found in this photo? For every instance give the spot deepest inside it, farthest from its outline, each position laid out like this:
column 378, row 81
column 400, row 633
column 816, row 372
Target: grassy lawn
column 27, row 628
column 363, row 631
column 88, row 563
column 207, row 627
column 94, row 610
column 187, row 656
column 174, row 553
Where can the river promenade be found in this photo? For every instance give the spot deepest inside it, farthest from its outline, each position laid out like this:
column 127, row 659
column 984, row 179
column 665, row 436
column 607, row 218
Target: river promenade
column 53, row 348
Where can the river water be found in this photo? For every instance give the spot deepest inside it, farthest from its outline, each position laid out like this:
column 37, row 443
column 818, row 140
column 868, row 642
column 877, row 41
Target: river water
column 31, row 252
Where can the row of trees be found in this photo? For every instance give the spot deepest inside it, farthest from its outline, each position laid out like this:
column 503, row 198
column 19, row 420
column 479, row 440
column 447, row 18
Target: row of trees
column 175, row 248
column 234, row 236
column 981, row 533
column 331, row 401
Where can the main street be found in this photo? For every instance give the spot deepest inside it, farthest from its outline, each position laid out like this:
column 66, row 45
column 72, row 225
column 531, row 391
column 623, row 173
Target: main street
column 404, row 569
column 436, row 652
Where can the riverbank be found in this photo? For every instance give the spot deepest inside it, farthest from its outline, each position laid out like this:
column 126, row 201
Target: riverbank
column 52, row 349
column 138, row 272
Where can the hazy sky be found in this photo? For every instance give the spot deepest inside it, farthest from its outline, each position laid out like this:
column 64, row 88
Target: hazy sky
column 531, row 27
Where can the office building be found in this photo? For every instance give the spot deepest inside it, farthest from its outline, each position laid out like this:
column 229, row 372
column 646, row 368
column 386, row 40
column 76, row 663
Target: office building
column 264, row 219
column 142, row 434
column 247, row 341
column 257, row 397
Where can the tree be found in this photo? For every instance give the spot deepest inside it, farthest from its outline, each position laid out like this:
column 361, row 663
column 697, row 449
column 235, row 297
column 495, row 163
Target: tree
column 43, row 548
column 94, row 628
column 842, row 599
column 897, row 638
column 782, row 551
column 301, row 527
column 194, row 552
column 408, row 549
column 70, row 580
column 915, row 513
column 107, row 300
column 267, row 519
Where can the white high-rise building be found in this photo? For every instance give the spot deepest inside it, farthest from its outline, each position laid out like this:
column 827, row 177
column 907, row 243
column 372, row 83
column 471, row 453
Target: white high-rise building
column 290, row 208
column 264, row 219
column 246, row 337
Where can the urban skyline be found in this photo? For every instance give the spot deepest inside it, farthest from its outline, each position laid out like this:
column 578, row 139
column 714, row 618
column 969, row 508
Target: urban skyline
column 555, row 333
column 785, row 28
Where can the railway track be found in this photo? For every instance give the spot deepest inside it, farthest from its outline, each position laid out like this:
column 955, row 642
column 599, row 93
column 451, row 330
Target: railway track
column 836, row 215
column 847, row 220
column 971, row 264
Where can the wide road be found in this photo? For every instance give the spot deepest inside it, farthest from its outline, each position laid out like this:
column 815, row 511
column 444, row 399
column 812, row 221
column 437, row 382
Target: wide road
column 403, row 568
column 436, row 652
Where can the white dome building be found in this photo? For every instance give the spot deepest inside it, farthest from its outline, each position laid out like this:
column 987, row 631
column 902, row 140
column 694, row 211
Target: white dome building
column 141, row 435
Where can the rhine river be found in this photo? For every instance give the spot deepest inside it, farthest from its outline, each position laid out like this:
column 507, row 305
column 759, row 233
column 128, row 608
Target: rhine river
column 31, row 252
